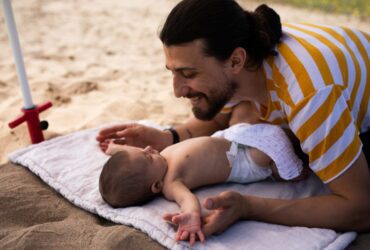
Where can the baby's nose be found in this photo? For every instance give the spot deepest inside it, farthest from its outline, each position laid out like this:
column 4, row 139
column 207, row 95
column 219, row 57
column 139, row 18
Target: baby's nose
column 149, row 149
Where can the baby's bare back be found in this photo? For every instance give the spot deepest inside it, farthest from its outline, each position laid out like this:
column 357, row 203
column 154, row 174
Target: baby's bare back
column 198, row 162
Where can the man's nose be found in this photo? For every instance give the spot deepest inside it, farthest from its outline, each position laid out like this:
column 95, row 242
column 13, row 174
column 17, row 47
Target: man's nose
column 179, row 87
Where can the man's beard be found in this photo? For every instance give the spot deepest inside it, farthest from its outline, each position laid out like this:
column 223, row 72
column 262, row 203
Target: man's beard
column 216, row 101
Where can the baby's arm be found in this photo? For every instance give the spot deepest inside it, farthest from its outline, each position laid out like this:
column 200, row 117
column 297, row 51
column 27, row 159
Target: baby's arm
column 113, row 147
column 189, row 220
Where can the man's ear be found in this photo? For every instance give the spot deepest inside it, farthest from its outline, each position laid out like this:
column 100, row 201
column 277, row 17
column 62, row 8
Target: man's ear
column 157, row 186
column 237, row 59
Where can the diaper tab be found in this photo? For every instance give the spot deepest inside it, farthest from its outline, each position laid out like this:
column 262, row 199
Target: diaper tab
column 231, row 154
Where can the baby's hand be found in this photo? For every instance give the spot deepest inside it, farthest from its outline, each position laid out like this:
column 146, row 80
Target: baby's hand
column 189, row 226
column 111, row 147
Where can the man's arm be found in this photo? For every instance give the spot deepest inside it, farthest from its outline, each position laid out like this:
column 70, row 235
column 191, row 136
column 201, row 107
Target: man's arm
column 195, row 127
column 346, row 208
column 138, row 135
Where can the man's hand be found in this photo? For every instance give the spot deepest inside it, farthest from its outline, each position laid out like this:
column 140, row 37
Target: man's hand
column 134, row 135
column 227, row 208
column 189, row 226
column 348, row 200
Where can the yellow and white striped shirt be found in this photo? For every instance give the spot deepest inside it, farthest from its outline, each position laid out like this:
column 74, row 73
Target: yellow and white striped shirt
column 319, row 86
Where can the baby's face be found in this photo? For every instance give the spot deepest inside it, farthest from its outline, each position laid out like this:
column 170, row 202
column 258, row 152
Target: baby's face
column 153, row 164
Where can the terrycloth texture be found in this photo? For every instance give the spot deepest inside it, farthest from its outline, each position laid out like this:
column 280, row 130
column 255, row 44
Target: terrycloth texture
column 271, row 140
column 71, row 164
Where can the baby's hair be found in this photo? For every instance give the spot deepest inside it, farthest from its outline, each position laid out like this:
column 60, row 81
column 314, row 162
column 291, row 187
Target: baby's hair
column 122, row 182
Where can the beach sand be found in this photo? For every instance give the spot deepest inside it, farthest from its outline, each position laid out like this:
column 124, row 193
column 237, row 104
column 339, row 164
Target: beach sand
column 99, row 62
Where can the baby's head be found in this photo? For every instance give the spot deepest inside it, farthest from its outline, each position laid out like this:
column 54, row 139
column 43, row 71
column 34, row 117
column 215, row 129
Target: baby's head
column 132, row 176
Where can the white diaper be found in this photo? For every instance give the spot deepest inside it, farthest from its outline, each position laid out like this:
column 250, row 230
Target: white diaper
column 269, row 139
column 243, row 168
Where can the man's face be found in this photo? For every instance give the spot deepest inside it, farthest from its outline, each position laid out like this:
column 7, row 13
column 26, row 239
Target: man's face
column 203, row 79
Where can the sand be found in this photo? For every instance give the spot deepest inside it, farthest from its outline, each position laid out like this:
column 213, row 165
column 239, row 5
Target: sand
column 99, row 62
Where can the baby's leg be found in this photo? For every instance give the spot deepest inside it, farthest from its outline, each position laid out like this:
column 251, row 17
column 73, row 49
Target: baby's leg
column 260, row 158
column 263, row 160
column 275, row 173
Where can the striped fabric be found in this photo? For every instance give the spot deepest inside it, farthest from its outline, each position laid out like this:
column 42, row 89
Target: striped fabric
column 319, row 86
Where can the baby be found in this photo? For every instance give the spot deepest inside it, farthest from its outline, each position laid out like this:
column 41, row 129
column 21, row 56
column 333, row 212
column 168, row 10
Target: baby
column 132, row 175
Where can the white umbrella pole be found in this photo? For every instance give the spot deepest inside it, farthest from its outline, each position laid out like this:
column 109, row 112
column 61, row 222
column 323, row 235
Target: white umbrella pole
column 30, row 111
column 17, row 52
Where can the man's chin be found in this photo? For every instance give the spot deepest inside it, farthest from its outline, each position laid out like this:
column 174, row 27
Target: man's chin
column 203, row 115
column 208, row 109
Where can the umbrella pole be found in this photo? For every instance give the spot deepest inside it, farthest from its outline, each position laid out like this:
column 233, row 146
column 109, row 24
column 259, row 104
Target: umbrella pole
column 30, row 111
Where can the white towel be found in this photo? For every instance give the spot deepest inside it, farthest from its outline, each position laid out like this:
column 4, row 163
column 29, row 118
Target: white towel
column 71, row 164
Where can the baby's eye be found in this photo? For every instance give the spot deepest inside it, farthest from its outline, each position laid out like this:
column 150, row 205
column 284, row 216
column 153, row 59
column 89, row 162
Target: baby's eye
column 148, row 156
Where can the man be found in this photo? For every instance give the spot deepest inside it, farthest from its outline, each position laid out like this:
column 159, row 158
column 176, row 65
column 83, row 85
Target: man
column 309, row 79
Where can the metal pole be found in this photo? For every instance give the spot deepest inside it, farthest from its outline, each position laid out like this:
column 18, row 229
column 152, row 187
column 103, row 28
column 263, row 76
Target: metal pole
column 17, row 52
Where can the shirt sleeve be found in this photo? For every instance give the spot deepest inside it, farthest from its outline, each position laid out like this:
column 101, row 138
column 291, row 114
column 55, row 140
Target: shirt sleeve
column 327, row 132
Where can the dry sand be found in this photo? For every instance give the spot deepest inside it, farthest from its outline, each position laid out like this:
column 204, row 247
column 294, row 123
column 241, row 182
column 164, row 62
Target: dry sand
column 99, row 62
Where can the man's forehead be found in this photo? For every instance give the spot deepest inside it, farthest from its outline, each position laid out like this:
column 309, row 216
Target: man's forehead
column 184, row 56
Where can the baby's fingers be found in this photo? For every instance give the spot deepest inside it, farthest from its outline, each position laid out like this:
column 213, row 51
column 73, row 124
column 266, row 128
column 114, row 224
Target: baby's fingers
column 184, row 235
column 169, row 216
column 201, row 236
column 178, row 235
column 192, row 239
column 177, row 218
column 103, row 146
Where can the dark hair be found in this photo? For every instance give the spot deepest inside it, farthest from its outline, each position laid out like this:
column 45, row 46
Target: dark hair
column 121, row 182
column 224, row 25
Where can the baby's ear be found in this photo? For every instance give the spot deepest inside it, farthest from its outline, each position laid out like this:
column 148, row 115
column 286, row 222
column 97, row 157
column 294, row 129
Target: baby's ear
column 157, row 187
